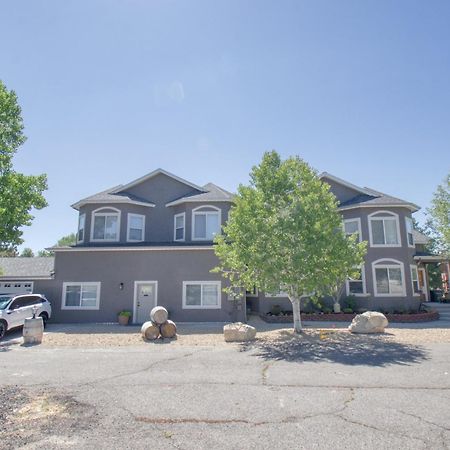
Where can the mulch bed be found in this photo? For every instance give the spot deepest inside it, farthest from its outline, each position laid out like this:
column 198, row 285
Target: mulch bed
column 343, row 317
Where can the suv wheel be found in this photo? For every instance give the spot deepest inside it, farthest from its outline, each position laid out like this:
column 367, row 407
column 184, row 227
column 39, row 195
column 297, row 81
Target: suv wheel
column 44, row 316
column 3, row 328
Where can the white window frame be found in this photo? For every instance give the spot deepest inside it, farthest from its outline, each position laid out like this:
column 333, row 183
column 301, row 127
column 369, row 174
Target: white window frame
column 202, row 283
column 407, row 233
column 197, row 212
column 98, row 212
column 412, row 267
column 355, row 219
column 80, row 283
column 385, row 263
column 129, row 216
column 378, row 215
column 363, row 280
column 183, row 215
column 82, row 216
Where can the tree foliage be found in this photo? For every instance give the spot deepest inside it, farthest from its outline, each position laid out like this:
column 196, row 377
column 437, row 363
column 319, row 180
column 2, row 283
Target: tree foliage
column 27, row 253
column 70, row 239
column 285, row 232
column 19, row 193
column 439, row 217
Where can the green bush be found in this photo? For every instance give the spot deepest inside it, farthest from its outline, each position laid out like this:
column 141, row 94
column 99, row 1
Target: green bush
column 276, row 310
column 349, row 303
column 347, row 310
column 125, row 313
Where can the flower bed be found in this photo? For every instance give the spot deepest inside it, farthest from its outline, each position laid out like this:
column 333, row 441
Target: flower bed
column 343, row 317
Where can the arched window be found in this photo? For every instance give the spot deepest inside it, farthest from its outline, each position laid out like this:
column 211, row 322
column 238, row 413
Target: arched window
column 105, row 225
column 206, row 223
column 384, row 230
column 388, row 278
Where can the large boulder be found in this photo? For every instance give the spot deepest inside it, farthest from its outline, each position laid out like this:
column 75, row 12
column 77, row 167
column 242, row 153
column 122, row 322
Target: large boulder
column 369, row 322
column 238, row 332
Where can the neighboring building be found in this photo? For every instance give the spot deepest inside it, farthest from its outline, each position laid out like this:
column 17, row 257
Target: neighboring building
column 150, row 242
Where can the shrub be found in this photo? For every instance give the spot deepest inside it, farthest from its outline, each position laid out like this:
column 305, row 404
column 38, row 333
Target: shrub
column 125, row 313
column 276, row 310
column 347, row 310
column 349, row 303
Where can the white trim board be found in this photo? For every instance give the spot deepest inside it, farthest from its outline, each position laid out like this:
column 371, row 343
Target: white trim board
column 128, row 249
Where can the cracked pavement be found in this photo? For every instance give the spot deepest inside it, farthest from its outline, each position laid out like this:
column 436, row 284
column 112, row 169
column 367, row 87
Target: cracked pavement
column 230, row 397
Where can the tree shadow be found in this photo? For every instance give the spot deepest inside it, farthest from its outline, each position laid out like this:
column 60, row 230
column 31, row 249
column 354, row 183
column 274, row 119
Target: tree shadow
column 337, row 346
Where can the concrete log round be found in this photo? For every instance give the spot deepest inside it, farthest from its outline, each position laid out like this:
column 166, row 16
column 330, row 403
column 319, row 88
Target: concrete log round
column 150, row 331
column 159, row 315
column 33, row 331
column 168, row 329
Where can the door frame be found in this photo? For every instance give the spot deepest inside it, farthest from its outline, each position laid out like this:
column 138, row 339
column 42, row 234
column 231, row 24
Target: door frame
column 136, row 283
column 425, row 289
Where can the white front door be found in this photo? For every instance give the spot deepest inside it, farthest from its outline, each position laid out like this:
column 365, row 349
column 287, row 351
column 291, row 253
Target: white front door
column 145, row 293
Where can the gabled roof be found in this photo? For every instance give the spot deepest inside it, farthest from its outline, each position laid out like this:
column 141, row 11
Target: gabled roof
column 108, row 197
column 213, row 193
column 21, row 267
column 368, row 197
column 420, row 238
column 151, row 175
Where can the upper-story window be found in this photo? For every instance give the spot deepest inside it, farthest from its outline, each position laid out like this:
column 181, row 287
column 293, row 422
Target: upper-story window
column 389, row 278
column 136, row 227
column 352, row 226
column 384, row 229
column 205, row 223
column 81, row 226
column 105, row 224
column 409, row 231
column 179, row 227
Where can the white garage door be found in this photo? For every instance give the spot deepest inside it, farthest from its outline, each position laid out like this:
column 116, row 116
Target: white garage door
column 16, row 287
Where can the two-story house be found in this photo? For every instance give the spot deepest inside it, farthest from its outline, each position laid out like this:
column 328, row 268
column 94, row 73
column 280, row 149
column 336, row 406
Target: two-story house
column 150, row 242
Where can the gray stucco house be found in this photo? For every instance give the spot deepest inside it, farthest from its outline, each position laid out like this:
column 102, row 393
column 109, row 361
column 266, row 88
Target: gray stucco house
column 150, row 242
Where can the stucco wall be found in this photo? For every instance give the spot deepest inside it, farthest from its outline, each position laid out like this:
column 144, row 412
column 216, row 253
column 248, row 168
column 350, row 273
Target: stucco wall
column 168, row 267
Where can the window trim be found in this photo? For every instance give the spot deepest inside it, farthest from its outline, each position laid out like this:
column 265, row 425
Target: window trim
column 389, row 264
column 98, row 284
column 414, row 293
column 183, row 214
column 196, row 212
column 357, row 219
column 363, row 280
column 129, row 216
column 97, row 212
column 81, row 216
column 409, row 219
column 201, row 283
column 387, row 215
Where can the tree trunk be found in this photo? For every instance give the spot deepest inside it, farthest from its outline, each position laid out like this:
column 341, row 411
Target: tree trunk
column 297, row 317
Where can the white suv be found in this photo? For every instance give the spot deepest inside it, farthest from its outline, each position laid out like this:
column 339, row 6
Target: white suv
column 14, row 309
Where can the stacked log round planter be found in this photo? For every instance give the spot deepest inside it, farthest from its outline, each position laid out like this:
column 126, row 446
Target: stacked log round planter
column 159, row 325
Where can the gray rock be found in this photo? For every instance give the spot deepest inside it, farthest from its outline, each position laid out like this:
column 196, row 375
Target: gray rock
column 369, row 322
column 239, row 332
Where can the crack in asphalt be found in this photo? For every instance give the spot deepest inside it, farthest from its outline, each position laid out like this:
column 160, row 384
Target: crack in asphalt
column 441, row 427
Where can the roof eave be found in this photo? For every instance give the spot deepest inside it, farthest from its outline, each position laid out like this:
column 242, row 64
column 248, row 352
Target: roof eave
column 410, row 206
column 188, row 200
column 81, row 203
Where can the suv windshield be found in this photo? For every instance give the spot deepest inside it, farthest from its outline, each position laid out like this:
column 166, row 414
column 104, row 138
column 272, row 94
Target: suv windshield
column 4, row 300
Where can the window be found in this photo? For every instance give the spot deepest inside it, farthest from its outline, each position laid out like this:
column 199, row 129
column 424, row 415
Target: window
column 409, row 231
column 136, row 227
column 179, row 221
column 388, row 278
column 352, row 226
column 106, row 225
column 201, row 294
column 384, row 230
column 81, row 225
column 357, row 286
column 205, row 224
column 415, row 281
column 81, row 295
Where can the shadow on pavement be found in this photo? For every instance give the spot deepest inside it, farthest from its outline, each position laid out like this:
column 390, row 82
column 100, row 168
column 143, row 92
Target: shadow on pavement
column 340, row 347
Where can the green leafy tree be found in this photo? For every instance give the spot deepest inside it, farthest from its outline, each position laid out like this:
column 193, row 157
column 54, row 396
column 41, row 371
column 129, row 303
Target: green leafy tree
column 285, row 233
column 70, row 239
column 27, row 253
column 19, row 193
column 439, row 217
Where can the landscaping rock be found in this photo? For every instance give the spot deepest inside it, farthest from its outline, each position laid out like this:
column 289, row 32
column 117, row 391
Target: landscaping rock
column 369, row 322
column 238, row 332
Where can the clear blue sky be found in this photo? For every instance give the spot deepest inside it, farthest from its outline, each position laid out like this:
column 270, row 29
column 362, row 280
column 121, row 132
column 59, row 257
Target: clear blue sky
column 111, row 90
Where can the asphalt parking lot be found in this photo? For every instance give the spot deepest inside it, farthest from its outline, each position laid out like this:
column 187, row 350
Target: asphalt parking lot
column 300, row 393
